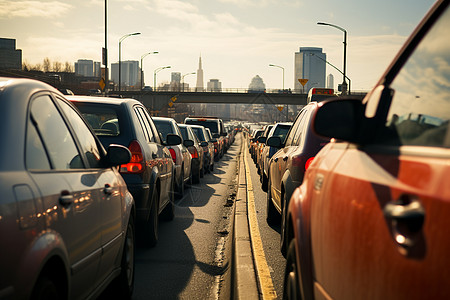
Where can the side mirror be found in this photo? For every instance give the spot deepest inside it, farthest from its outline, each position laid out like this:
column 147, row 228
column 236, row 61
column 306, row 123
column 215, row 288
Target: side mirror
column 340, row 119
column 118, row 155
column 262, row 139
column 188, row 143
column 204, row 144
column 214, row 140
column 173, row 139
column 216, row 135
column 275, row 141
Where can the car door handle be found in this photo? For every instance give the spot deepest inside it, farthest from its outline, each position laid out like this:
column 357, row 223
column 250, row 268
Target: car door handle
column 285, row 158
column 108, row 189
column 275, row 159
column 154, row 155
column 407, row 216
column 66, row 198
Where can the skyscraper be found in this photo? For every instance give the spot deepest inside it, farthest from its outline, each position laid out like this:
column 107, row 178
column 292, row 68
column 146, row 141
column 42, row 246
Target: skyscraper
column 309, row 64
column 131, row 73
column 199, row 87
column 330, row 81
column 10, row 57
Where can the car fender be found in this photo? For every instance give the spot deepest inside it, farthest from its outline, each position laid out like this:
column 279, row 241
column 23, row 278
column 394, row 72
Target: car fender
column 287, row 186
column 47, row 245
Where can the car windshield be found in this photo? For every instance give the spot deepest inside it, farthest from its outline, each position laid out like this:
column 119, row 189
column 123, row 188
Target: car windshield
column 212, row 125
column 103, row 119
column 199, row 132
column 164, row 128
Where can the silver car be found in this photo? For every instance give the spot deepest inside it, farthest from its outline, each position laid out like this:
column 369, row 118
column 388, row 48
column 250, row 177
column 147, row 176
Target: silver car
column 66, row 216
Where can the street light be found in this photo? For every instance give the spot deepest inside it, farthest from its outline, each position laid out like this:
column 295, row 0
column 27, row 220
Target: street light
column 182, row 79
column 344, row 83
column 345, row 76
column 154, row 75
column 142, row 66
column 271, row 65
column 120, row 53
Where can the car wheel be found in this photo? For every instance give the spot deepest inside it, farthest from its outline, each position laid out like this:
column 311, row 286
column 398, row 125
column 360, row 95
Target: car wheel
column 151, row 228
column 264, row 182
column 272, row 213
column 45, row 288
column 291, row 288
column 180, row 186
column 196, row 177
column 283, row 234
column 125, row 281
column 202, row 172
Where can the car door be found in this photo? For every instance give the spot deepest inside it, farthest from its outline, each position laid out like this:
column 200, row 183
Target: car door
column 280, row 159
column 381, row 212
column 108, row 187
column 70, row 203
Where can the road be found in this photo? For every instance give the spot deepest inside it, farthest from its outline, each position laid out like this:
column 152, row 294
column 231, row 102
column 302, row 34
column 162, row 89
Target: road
column 193, row 257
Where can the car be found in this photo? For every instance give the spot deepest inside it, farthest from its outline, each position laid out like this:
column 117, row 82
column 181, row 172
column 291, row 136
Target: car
column 195, row 147
column 217, row 130
column 67, row 218
column 180, row 153
column 370, row 219
column 214, row 143
column 149, row 175
column 281, row 130
column 287, row 166
column 208, row 148
column 260, row 147
column 253, row 142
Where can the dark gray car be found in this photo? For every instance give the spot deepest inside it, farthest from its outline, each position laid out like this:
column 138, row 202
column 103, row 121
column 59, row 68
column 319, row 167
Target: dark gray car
column 66, row 216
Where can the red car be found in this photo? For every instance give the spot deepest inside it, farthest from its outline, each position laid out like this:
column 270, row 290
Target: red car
column 371, row 219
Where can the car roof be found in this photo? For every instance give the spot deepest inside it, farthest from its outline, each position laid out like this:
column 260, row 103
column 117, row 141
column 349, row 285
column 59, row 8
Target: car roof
column 103, row 100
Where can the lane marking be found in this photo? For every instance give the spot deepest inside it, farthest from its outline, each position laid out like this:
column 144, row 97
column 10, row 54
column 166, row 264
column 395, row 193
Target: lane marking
column 262, row 268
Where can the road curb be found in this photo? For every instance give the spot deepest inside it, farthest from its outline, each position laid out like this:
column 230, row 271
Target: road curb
column 244, row 271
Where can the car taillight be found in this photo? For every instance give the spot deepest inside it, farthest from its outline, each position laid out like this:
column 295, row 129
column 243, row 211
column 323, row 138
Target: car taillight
column 173, row 154
column 136, row 164
column 308, row 162
column 193, row 152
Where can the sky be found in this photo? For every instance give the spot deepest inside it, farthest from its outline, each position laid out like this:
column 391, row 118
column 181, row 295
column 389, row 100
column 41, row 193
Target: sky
column 236, row 39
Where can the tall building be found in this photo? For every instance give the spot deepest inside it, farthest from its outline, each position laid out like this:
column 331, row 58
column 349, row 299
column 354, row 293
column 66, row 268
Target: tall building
column 10, row 57
column 88, row 68
column 175, row 81
column 214, row 85
column 199, row 86
column 330, row 81
column 310, row 63
column 130, row 73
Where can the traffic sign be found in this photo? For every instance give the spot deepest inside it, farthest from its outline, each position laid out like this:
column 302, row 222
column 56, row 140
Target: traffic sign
column 174, row 98
column 102, row 84
column 303, row 81
column 170, row 103
column 280, row 108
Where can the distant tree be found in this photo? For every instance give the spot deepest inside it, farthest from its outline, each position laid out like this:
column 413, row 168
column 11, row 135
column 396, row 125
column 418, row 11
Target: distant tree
column 36, row 67
column 57, row 66
column 68, row 67
column 46, row 65
column 26, row 66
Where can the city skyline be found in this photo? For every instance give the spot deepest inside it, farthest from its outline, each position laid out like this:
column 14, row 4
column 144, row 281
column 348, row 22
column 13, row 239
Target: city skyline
column 237, row 39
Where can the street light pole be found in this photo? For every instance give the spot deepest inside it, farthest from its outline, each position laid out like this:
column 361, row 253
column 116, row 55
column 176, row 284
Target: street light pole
column 271, row 65
column 142, row 66
column 344, row 83
column 154, row 75
column 349, row 81
column 120, row 53
column 182, row 79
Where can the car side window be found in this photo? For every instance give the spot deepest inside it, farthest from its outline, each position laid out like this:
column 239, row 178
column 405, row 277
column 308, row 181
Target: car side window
column 54, row 134
column 84, row 135
column 291, row 139
column 144, row 126
column 148, row 121
column 36, row 156
column 420, row 110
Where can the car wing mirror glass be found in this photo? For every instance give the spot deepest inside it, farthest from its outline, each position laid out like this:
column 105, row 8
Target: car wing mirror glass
column 275, row 141
column 173, row 139
column 118, row 155
column 340, row 119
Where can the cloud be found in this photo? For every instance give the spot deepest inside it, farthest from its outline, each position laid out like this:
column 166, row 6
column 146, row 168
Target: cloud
column 27, row 9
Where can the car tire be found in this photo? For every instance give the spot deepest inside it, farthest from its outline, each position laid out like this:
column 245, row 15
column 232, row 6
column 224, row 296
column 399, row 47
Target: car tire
column 291, row 288
column 150, row 237
column 283, row 233
column 125, row 280
column 196, row 177
column 264, row 182
column 272, row 213
column 45, row 288
column 180, row 186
